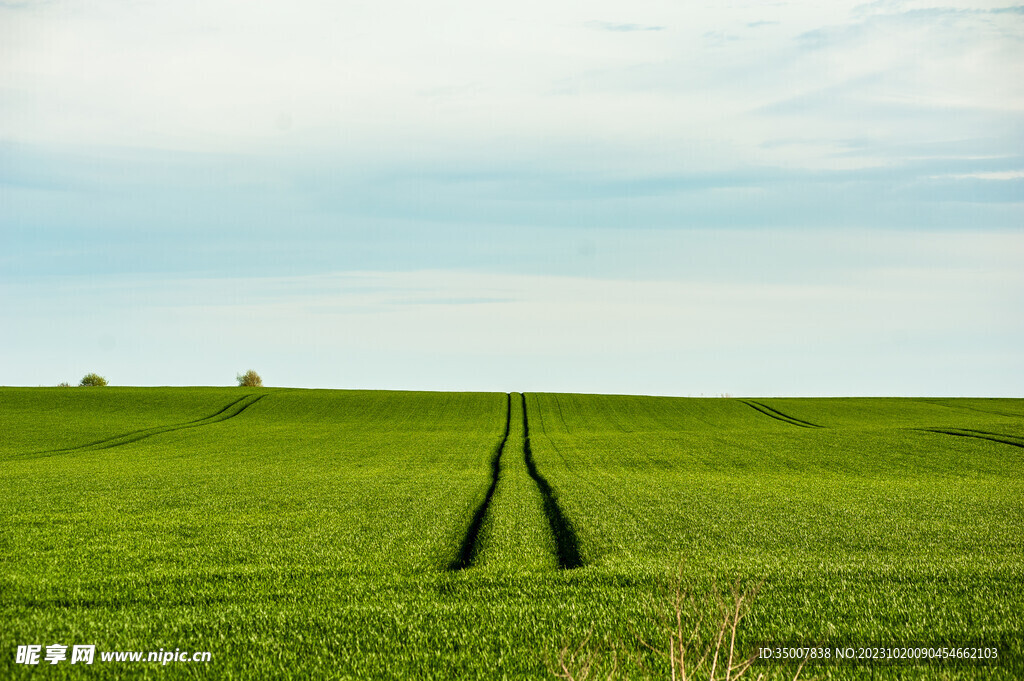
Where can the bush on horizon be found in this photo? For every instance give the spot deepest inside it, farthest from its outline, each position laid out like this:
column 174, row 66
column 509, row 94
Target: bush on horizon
column 250, row 379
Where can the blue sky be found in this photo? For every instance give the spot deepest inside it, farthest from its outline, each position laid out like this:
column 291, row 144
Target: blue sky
column 677, row 198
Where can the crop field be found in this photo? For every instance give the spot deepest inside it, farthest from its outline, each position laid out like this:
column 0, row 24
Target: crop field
column 390, row 535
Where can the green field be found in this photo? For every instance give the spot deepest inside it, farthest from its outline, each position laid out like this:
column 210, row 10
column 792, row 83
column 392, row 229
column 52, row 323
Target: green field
column 360, row 534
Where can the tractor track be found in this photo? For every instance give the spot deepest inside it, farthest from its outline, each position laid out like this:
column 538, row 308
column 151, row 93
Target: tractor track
column 567, row 550
column 1012, row 440
column 778, row 415
column 470, row 542
column 558, row 403
column 567, row 545
column 230, row 411
column 938, row 403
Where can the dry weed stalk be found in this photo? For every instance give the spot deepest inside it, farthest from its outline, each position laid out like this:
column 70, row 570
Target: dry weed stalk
column 702, row 633
column 581, row 663
column 691, row 653
column 701, row 639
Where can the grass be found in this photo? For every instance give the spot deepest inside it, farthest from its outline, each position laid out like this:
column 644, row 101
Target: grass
column 317, row 534
column 864, row 530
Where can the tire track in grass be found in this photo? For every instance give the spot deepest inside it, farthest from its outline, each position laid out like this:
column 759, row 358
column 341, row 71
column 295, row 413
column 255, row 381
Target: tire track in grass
column 571, row 469
column 230, row 411
column 616, row 481
column 566, row 542
column 558, row 403
column 147, row 430
column 470, row 542
column 778, row 415
column 939, row 403
column 1012, row 440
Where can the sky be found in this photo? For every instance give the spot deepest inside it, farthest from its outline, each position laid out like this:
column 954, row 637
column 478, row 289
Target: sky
column 645, row 197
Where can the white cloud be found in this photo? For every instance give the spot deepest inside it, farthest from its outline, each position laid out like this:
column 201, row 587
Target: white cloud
column 999, row 175
column 318, row 122
column 386, row 82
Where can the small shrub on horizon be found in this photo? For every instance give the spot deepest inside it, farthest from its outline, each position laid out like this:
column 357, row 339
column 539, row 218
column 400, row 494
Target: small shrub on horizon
column 93, row 380
column 63, row 384
column 250, row 379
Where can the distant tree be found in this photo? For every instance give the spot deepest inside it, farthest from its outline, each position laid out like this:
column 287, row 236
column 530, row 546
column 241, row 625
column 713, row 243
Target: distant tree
column 93, row 380
column 250, row 379
column 63, row 384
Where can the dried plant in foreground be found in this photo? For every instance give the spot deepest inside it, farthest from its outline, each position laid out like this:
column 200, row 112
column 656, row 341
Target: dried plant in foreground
column 701, row 644
column 585, row 662
column 702, row 633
